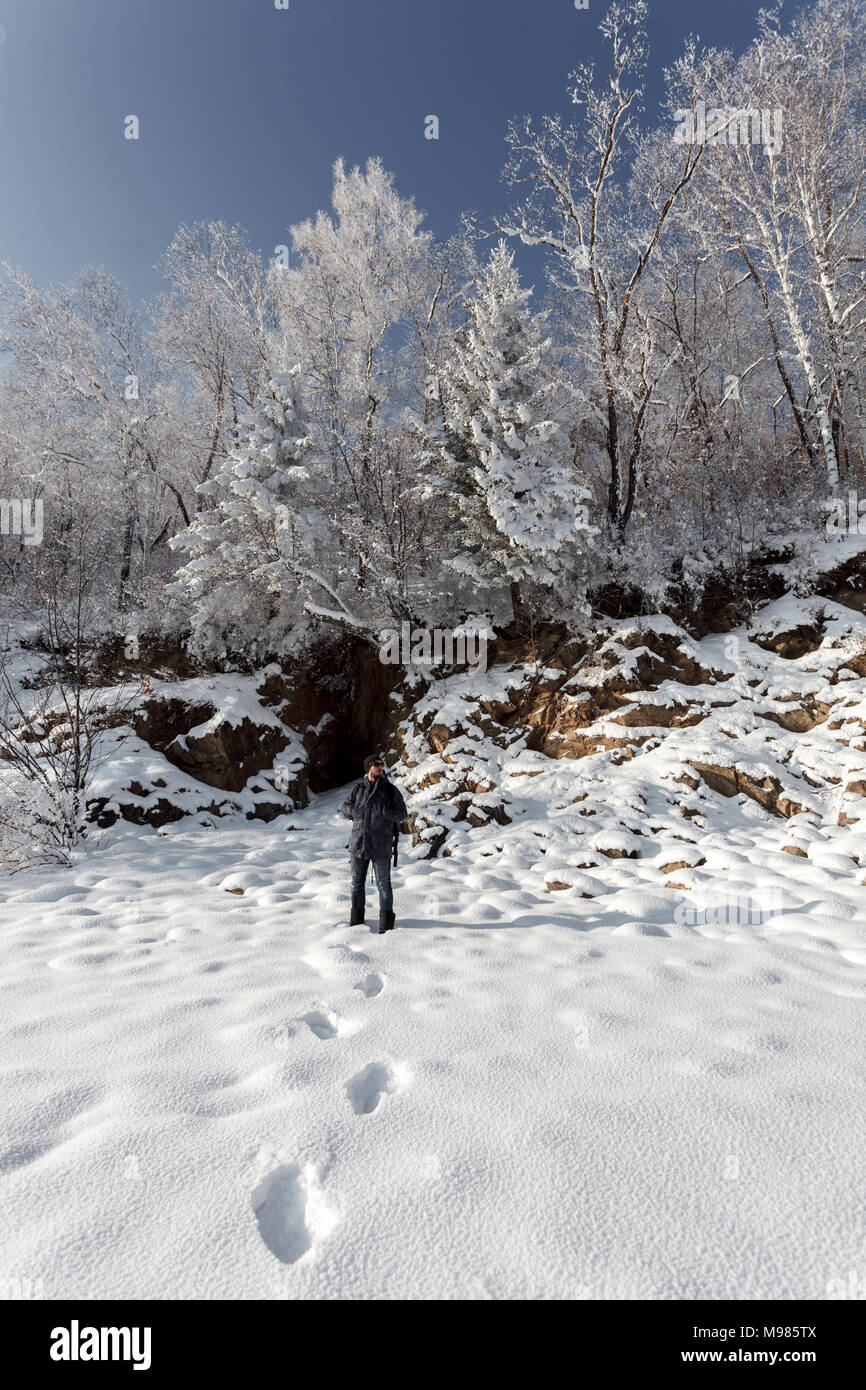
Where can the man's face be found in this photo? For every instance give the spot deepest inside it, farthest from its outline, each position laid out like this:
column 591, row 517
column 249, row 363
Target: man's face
column 376, row 770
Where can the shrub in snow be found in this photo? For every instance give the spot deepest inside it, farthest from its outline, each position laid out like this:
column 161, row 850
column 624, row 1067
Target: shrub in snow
column 39, row 822
column 51, row 723
column 46, row 763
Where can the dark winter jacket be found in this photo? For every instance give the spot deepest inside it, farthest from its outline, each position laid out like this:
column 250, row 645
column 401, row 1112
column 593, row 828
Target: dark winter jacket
column 374, row 808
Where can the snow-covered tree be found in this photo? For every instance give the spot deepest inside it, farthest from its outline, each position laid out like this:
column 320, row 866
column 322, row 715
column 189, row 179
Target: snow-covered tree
column 521, row 516
column 603, row 235
column 82, row 360
column 213, row 328
column 368, row 305
column 252, row 549
column 792, row 207
column 345, row 305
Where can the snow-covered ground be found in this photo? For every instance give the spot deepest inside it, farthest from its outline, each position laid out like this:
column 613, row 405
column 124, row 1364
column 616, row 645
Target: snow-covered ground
column 519, row 1093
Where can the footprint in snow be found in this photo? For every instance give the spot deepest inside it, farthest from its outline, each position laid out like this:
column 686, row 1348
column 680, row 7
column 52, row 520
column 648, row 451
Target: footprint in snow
column 324, row 1025
column 371, row 985
column 291, row 1212
column 366, row 1087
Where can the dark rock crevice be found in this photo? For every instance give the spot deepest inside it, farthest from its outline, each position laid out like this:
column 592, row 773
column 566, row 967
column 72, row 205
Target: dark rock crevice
column 341, row 708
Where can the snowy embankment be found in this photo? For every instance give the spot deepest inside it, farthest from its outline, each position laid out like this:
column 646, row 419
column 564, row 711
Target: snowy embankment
column 215, row 1088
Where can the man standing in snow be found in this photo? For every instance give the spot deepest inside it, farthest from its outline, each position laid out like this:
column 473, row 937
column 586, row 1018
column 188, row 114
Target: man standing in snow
column 375, row 808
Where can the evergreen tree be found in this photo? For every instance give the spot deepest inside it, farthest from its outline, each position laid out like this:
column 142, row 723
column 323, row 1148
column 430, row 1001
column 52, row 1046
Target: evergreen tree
column 521, row 516
column 248, row 550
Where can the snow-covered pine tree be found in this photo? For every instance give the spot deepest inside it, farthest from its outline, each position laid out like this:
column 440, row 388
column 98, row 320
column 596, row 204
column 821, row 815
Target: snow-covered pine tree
column 248, row 550
column 521, row 517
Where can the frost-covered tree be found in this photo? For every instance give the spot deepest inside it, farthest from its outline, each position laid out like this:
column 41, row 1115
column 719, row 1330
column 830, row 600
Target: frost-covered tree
column 252, row 549
column 822, row 62
column 345, row 307
column 213, row 328
column 368, row 305
column 603, row 235
column 83, row 371
column 520, row 514
column 791, row 204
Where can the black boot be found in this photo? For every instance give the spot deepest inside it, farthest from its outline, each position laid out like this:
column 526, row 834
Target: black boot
column 386, row 921
column 357, row 917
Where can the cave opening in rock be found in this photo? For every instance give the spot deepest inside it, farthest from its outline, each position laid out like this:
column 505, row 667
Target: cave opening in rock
column 340, row 706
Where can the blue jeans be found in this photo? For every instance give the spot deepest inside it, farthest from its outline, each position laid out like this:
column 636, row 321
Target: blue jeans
column 382, row 868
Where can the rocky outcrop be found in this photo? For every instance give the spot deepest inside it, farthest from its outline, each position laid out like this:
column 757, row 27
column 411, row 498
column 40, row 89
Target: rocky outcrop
column 794, row 643
column 768, row 791
column 767, row 715
column 226, row 755
column 806, row 716
column 738, row 728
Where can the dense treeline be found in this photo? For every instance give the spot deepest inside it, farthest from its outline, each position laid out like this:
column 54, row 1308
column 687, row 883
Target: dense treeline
column 372, row 425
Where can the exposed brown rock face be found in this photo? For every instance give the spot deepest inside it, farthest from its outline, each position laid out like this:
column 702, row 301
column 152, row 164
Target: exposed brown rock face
column 159, row 721
column 426, row 831
column 729, row 781
column 728, row 599
column 800, row 720
column 845, row 584
column 663, row 660
column 439, row 736
column 567, row 708
column 797, row 642
column 478, row 817
column 228, row 755
column 613, row 698
column 661, row 717
column 338, row 705
column 157, row 813
column 225, row 757
column 557, row 716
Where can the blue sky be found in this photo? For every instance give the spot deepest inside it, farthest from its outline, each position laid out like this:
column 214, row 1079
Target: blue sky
column 243, row 108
